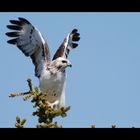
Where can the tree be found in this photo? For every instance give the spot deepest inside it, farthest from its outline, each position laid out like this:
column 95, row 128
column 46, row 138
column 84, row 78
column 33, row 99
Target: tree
column 44, row 112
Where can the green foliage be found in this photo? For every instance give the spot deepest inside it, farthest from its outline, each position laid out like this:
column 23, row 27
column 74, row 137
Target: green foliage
column 44, row 112
column 19, row 123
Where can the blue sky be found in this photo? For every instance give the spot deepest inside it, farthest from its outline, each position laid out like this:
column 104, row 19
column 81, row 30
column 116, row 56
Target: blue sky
column 103, row 86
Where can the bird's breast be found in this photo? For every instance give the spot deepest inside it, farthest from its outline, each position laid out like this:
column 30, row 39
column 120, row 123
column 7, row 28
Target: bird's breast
column 53, row 85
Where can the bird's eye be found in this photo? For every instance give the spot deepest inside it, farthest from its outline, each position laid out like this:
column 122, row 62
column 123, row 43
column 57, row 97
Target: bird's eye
column 64, row 61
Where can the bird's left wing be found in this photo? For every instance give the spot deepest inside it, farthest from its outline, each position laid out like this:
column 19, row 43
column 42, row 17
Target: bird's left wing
column 30, row 41
column 68, row 44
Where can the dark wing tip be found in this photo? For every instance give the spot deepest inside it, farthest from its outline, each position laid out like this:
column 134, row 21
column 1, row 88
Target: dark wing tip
column 16, row 22
column 74, row 45
column 12, row 34
column 75, row 35
column 76, row 38
column 74, row 31
column 12, row 41
column 24, row 20
column 14, row 27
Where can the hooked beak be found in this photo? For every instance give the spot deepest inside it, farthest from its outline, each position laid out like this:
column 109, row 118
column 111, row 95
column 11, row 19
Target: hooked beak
column 69, row 65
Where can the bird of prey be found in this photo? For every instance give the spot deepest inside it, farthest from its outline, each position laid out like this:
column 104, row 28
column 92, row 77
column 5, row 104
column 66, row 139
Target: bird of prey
column 51, row 73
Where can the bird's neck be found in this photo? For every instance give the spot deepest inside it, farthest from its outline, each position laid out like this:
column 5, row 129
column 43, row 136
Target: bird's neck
column 54, row 70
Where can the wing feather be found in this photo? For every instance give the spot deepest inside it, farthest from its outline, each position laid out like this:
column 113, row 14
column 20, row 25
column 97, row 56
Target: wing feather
column 67, row 44
column 30, row 41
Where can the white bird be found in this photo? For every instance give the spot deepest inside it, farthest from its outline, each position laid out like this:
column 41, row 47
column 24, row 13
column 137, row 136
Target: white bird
column 51, row 73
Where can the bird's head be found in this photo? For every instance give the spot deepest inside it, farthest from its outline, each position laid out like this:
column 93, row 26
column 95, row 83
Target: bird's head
column 62, row 63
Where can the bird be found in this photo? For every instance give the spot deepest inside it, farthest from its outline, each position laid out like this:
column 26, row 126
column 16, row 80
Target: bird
column 50, row 72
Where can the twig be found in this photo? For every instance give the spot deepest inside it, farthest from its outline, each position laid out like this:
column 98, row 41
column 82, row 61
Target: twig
column 24, row 93
column 18, row 94
column 30, row 84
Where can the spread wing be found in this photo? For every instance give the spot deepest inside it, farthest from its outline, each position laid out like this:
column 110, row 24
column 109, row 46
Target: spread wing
column 68, row 44
column 30, row 41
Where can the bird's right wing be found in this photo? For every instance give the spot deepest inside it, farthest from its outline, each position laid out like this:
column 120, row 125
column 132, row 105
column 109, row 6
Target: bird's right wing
column 30, row 41
column 69, row 43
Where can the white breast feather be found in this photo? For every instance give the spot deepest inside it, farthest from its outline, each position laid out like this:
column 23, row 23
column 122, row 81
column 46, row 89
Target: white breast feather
column 54, row 86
